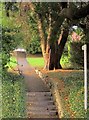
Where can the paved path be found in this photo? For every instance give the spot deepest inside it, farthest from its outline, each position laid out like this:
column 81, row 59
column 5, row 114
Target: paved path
column 40, row 103
column 33, row 82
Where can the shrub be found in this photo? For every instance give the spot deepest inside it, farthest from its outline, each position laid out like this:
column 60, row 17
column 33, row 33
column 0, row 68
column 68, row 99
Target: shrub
column 8, row 44
column 75, row 53
column 34, row 47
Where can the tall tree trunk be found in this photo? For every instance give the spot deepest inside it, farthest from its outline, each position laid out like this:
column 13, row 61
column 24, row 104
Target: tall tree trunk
column 41, row 30
column 56, row 51
column 44, row 43
column 50, row 50
column 62, row 43
column 54, row 58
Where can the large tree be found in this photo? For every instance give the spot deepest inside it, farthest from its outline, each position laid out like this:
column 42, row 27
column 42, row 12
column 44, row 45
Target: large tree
column 53, row 22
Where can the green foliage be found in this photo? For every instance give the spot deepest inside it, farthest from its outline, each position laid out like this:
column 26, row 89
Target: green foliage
column 76, row 88
column 34, row 47
column 9, row 43
column 10, row 6
column 65, row 61
column 71, row 90
column 7, row 46
column 13, row 90
column 36, row 61
column 12, row 63
column 75, row 53
column 13, row 96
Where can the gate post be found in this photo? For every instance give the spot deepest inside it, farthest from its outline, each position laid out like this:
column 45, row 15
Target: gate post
column 84, row 47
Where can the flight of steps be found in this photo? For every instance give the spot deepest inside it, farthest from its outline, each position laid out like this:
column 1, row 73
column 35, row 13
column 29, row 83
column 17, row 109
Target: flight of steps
column 41, row 105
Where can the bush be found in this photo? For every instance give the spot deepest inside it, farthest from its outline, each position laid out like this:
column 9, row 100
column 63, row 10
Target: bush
column 13, row 96
column 34, row 47
column 75, row 53
column 8, row 44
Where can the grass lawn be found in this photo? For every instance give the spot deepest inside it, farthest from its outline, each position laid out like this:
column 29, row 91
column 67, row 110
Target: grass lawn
column 13, row 96
column 71, row 90
column 39, row 62
column 36, row 61
column 12, row 63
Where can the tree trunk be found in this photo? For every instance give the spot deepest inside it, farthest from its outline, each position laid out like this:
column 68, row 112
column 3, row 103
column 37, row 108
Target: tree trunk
column 62, row 43
column 52, row 52
column 54, row 62
column 52, row 59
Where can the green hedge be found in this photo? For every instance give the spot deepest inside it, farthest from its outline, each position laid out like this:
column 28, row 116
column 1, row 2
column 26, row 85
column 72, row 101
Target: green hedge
column 75, row 53
column 34, row 47
column 13, row 96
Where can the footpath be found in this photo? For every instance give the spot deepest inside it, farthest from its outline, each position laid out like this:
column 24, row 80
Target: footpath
column 39, row 100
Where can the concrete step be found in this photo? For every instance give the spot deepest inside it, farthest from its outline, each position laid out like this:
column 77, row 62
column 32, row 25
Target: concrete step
column 51, row 107
column 37, row 109
column 37, row 103
column 34, row 94
column 39, row 98
column 41, row 105
column 42, row 115
column 51, row 112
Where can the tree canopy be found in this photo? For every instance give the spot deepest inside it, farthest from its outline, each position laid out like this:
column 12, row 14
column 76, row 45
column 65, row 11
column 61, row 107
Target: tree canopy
column 53, row 22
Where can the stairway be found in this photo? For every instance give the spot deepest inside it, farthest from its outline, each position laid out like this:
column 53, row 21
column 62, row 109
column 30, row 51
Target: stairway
column 39, row 100
column 41, row 105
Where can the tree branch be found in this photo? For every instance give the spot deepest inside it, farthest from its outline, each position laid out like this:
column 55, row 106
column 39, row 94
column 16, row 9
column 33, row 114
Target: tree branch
column 76, row 13
column 80, row 13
